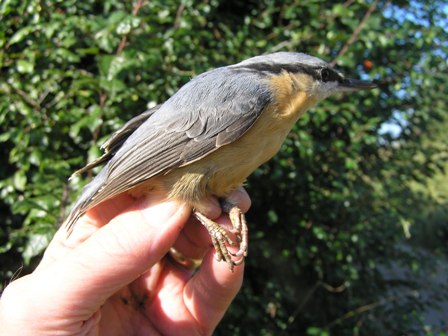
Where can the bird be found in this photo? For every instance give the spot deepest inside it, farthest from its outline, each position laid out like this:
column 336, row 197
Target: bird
column 208, row 137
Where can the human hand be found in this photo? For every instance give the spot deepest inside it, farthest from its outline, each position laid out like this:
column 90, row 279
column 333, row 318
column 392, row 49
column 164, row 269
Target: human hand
column 114, row 279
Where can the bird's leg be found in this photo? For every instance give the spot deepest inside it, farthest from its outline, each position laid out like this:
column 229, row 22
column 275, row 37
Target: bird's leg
column 219, row 239
column 239, row 226
column 220, row 236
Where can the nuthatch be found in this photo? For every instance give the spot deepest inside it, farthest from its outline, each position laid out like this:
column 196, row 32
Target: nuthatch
column 211, row 135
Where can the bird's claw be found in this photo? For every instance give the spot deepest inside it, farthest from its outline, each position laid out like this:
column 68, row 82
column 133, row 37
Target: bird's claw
column 239, row 228
column 220, row 236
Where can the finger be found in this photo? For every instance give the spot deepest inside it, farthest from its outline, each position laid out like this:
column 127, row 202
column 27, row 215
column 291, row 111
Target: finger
column 194, row 240
column 211, row 290
column 62, row 243
column 241, row 198
column 117, row 254
column 185, row 305
column 104, row 212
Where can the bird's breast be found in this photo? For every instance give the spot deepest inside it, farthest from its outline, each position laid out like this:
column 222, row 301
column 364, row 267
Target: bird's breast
column 228, row 167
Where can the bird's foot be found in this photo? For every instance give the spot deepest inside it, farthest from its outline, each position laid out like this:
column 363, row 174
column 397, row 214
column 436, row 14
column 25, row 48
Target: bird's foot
column 239, row 224
column 221, row 237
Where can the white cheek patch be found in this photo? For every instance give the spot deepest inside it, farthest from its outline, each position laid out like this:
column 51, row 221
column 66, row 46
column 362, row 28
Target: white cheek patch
column 326, row 89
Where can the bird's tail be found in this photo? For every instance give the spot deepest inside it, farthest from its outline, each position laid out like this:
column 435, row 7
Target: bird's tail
column 85, row 201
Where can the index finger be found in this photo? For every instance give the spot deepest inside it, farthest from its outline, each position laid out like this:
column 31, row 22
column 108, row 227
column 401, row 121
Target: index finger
column 89, row 223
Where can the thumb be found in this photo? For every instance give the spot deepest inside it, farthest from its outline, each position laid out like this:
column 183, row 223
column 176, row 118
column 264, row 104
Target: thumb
column 116, row 254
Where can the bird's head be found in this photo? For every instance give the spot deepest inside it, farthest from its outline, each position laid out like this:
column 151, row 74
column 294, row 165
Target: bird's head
column 305, row 73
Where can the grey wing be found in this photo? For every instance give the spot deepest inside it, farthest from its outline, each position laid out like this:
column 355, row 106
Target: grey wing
column 212, row 110
column 116, row 140
column 119, row 136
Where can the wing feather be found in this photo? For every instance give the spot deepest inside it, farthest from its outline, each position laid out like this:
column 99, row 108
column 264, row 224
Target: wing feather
column 111, row 145
column 212, row 110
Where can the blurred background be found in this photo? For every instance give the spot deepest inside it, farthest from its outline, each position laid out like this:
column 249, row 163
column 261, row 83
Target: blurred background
column 348, row 227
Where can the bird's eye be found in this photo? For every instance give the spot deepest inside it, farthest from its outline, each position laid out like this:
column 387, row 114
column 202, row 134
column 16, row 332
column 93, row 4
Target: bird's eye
column 326, row 75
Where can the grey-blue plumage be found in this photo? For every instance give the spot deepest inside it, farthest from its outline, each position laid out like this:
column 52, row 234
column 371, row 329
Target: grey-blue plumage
column 211, row 135
column 212, row 110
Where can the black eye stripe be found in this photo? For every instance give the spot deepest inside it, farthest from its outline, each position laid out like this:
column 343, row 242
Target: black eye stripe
column 318, row 73
column 329, row 75
column 278, row 68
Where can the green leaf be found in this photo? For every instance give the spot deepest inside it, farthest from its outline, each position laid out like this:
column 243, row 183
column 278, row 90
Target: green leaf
column 25, row 66
column 112, row 86
column 35, row 245
column 21, row 34
column 20, row 180
column 315, row 331
column 339, row 9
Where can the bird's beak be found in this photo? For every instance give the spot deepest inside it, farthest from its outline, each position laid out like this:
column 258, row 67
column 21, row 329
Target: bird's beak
column 355, row 85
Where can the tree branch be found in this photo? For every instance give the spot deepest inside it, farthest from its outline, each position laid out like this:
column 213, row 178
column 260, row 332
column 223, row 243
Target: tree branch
column 355, row 33
column 368, row 307
column 135, row 10
column 179, row 12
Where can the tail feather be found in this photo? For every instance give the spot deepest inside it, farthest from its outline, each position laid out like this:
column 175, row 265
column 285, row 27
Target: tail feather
column 86, row 200
column 110, row 147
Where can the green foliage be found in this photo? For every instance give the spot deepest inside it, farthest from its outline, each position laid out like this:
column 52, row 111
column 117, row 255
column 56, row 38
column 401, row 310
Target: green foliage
column 331, row 213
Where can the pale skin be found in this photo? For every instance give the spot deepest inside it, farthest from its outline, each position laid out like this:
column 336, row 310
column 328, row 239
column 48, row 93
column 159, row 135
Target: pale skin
column 115, row 279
